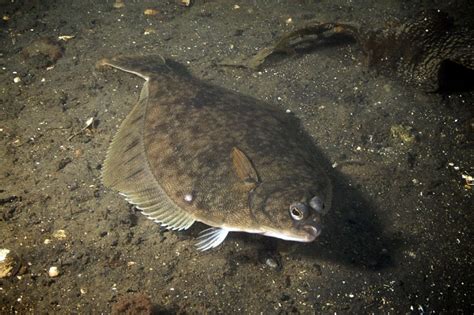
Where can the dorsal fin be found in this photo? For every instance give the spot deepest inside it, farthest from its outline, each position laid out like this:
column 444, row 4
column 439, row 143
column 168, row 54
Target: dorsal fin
column 127, row 170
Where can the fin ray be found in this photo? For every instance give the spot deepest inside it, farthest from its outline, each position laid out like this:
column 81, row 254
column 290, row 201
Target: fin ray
column 210, row 238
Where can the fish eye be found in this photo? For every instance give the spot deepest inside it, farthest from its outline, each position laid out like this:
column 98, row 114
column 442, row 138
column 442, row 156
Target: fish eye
column 298, row 211
column 317, row 204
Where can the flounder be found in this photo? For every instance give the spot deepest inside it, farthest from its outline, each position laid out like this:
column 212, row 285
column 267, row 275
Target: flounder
column 190, row 151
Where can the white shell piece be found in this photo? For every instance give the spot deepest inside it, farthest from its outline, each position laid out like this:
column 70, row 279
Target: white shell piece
column 188, row 197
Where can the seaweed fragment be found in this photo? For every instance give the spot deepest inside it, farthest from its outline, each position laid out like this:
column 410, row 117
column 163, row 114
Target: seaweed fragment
column 286, row 43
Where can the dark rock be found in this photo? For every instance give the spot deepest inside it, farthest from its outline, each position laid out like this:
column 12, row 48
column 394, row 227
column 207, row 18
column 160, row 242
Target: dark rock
column 62, row 164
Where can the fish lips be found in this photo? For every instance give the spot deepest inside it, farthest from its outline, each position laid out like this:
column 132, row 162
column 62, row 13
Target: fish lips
column 313, row 231
column 305, row 233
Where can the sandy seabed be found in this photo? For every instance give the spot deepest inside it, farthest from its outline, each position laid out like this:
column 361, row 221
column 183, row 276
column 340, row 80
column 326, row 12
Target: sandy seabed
column 398, row 238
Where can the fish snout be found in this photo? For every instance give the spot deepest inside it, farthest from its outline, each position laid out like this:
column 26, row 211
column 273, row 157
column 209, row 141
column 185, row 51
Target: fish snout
column 312, row 226
column 313, row 230
column 307, row 218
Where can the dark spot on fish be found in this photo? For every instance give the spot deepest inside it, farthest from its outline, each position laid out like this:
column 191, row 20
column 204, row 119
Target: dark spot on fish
column 134, row 143
column 134, row 174
column 134, row 121
column 128, row 134
column 132, row 158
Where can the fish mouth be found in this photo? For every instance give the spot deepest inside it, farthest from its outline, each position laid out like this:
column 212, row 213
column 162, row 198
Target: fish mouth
column 306, row 234
column 313, row 232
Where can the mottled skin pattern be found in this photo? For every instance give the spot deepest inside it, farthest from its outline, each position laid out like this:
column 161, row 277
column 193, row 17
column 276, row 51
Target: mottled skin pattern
column 189, row 131
column 189, row 138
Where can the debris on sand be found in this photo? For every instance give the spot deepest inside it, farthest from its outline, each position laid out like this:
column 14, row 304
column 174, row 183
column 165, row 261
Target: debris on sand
column 43, row 53
column 151, row 12
column 285, row 44
column 403, row 133
column 66, row 37
column 428, row 51
column 53, row 272
column 87, row 126
column 137, row 303
column 469, row 181
column 60, row 235
column 9, row 263
column 185, row 3
column 118, row 4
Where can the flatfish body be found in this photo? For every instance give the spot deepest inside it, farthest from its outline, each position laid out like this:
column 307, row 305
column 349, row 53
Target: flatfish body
column 190, row 151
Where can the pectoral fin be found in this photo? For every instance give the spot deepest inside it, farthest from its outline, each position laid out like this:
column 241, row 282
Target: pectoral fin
column 243, row 167
column 211, row 238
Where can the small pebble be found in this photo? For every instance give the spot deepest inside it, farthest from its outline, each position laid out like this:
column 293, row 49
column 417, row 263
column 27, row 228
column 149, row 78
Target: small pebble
column 17, row 80
column 3, row 254
column 118, row 4
column 151, row 12
column 149, row 30
column 9, row 263
column 272, row 263
column 59, row 234
column 387, row 88
column 53, row 272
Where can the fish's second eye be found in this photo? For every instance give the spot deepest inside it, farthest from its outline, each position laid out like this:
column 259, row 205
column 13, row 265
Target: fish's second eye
column 297, row 211
column 318, row 205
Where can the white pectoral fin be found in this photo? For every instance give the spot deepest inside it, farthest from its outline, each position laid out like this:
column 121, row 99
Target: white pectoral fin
column 211, row 238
